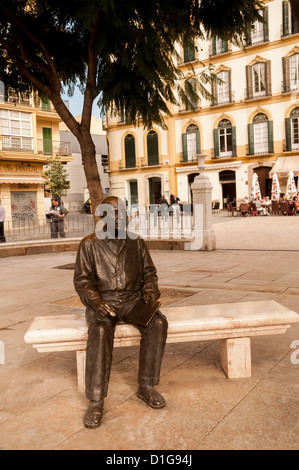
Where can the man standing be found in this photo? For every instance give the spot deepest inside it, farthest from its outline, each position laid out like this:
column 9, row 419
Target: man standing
column 2, row 219
column 113, row 273
column 57, row 214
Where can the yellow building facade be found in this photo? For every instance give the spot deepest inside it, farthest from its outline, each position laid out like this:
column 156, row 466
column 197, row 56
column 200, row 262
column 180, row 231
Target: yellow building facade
column 252, row 126
column 29, row 135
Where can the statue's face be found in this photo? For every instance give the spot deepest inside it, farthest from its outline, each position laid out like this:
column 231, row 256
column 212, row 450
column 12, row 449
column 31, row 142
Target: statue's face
column 115, row 218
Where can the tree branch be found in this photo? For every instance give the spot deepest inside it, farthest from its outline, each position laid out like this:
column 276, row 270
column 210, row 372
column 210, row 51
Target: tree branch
column 92, row 72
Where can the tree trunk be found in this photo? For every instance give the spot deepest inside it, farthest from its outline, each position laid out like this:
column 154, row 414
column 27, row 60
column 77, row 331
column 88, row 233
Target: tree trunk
column 90, row 168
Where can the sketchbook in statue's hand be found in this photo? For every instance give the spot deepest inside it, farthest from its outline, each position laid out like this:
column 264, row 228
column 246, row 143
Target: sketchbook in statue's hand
column 142, row 312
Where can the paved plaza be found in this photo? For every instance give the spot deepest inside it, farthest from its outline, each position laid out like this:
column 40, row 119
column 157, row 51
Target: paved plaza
column 257, row 258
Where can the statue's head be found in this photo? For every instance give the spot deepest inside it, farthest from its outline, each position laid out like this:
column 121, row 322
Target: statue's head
column 112, row 211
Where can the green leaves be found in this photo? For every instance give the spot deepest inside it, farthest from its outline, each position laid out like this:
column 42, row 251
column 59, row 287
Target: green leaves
column 55, row 177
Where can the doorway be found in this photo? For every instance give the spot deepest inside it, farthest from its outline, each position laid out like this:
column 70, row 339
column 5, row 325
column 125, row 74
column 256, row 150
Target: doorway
column 227, row 179
column 191, row 179
column 155, row 188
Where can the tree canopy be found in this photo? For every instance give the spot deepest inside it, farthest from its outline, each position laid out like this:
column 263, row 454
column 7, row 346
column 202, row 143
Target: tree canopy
column 118, row 52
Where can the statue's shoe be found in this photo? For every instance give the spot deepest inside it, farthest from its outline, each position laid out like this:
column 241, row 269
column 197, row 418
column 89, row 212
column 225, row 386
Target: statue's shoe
column 151, row 397
column 93, row 415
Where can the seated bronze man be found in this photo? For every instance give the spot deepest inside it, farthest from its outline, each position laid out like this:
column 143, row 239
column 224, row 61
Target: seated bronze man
column 113, row 272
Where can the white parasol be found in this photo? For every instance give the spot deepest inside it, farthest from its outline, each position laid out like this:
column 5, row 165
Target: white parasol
column 291, row 186
column 275, row 192
column 256, row 190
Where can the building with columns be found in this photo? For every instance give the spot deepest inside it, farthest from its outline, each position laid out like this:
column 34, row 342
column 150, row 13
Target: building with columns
column 252, row 125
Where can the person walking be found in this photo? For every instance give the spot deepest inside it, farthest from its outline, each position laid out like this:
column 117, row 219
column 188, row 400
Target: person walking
column 2, row 219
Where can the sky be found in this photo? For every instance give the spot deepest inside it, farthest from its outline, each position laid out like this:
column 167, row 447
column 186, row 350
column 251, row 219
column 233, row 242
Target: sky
column 76, row 103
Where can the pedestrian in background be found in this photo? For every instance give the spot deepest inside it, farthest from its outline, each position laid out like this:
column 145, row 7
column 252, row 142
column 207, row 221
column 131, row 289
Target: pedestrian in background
column 57, row 214
column 2, row 219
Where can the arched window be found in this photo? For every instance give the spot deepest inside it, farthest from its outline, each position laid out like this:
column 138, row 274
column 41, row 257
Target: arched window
column 260, row 135
column 130, row 156
column 225, row 140
column 258, row 79
column 152, row 148
column 292, row 130
column 191, row 143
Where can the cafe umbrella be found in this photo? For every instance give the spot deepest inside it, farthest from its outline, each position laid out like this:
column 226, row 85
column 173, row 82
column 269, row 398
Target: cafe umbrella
column 275, row 192
column 256, row 190
column 291, row 186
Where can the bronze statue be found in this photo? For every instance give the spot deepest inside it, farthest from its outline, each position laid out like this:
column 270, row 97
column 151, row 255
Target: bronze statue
column 112, row 274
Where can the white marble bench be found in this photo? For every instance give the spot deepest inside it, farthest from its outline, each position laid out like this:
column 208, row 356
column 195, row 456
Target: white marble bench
column 233, row 324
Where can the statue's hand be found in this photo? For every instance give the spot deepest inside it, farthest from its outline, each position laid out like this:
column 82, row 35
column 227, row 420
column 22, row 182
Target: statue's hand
column 148, row 295
column 104, row 310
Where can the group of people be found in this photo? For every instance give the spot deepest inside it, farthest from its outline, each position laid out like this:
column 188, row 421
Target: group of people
column 264, row 206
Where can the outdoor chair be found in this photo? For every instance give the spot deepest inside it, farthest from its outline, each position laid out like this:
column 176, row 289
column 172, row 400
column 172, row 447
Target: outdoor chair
column 215, row 206
column 284, row 208
column 275, row 208
column 244, row 207
column 231, row 210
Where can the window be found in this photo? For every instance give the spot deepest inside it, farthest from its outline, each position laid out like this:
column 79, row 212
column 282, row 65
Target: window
column 130, row 151
column 189, row 51
column 290, row 65
column 258, row 80
column 219, row 46
column 224, row 88
column 191, row 94
column 290, row 23
column 260, row 135
column 191, row 143
column 294, row 72
column 16, row 130
column 152, row 148
column 292, row 131
column 259, row 31
column 2, row 92
column 225, row 140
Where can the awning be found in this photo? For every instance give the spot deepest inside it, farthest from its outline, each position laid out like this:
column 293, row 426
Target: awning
column 20, row 180
column 284, row 165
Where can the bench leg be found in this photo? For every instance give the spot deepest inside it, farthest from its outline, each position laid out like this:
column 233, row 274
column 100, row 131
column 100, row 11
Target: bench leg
column 81, row 361
column 235, row 357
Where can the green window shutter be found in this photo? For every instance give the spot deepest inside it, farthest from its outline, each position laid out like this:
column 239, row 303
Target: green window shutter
column 198, row 146
column 46, row 104
column 266, row 24
column 288, row 134
column 248, row 35
column 268, row 78
column 47, row 141
column 185, row 148
column 216, row 143
column 249, row 82
column 130, row 152
column 286, row 18
column 224, row 45
column 251, row 138
column 286, row 74
column 234, row 140
column 152, row 148
column 214, row 45
column 189, row 51
column 270, row 137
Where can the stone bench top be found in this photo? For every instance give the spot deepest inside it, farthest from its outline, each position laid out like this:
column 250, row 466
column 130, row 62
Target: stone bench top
column 231, row 319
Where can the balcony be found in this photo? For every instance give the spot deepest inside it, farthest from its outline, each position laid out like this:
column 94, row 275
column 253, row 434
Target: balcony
column 52, row 147
column 252, row 93
column 225, row 99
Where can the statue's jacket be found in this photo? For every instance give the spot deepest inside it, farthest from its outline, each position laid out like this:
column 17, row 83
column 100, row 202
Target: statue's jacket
column 116, row 271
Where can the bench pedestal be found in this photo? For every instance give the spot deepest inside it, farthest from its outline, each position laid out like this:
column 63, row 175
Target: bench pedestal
column 235, row 357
